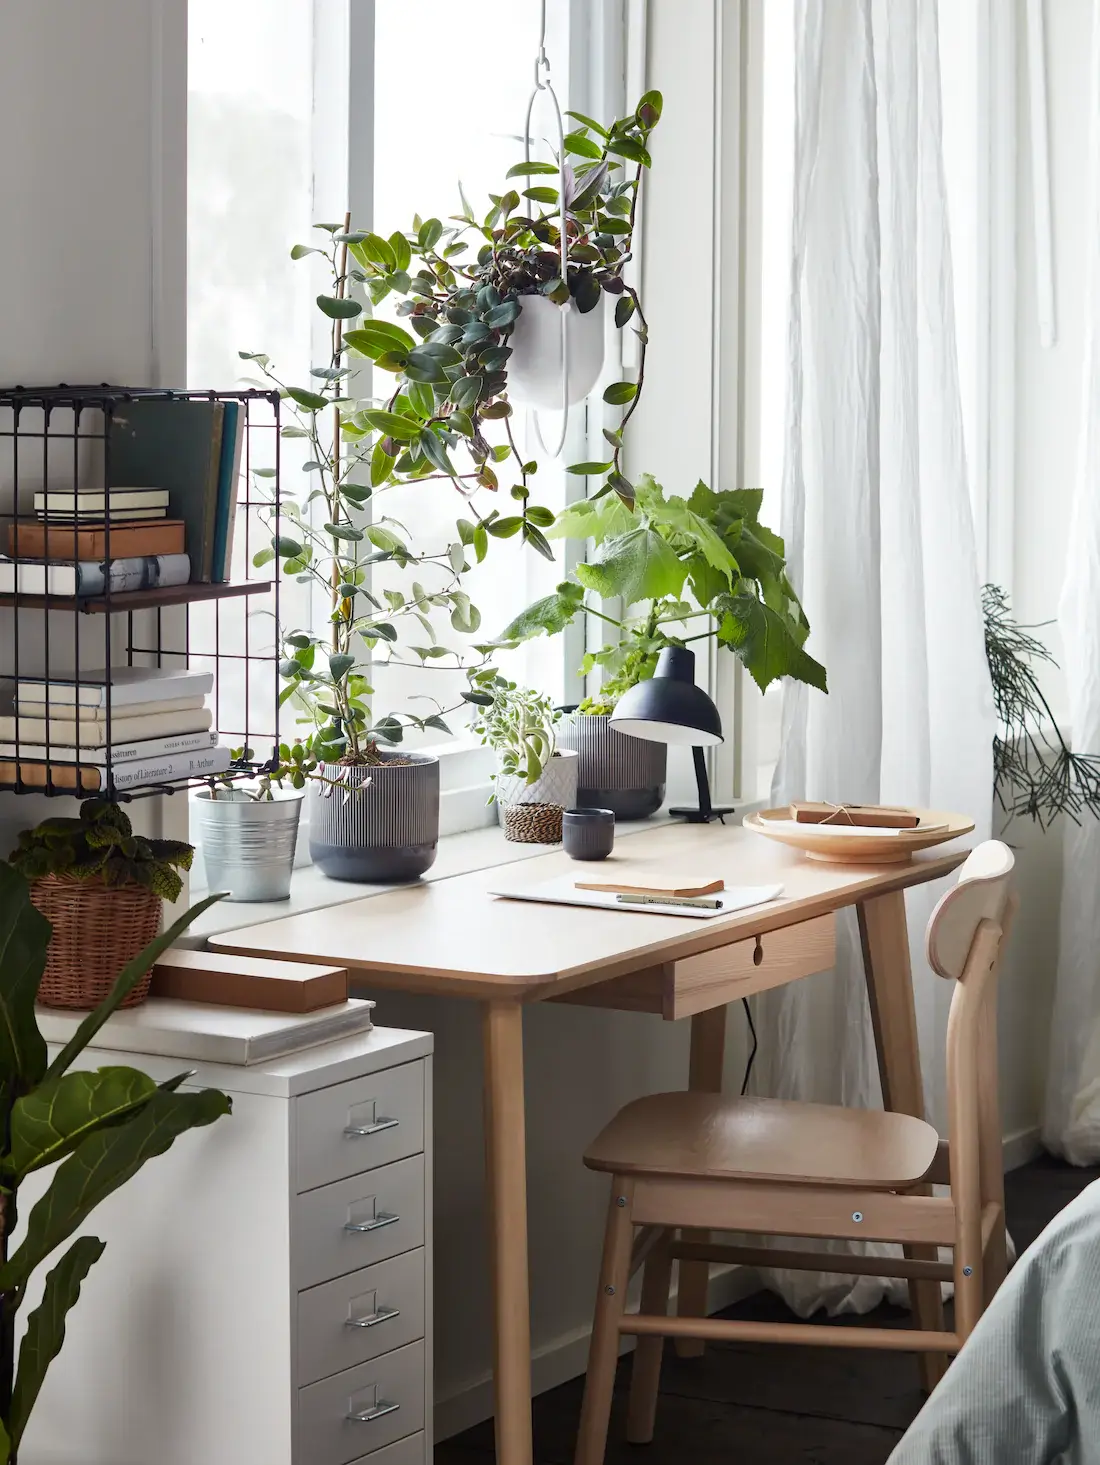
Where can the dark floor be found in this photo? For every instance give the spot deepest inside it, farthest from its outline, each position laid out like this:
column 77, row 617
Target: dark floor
column 757, row 1405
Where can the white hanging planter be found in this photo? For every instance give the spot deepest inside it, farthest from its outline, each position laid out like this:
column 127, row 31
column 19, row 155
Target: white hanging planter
column 535, row 368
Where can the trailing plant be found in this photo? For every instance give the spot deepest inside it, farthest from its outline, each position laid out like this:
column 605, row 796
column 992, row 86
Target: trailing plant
column 97, row 1126
column 100, row 844
column 1035, row 772
column 519, row 725
column 672, row 562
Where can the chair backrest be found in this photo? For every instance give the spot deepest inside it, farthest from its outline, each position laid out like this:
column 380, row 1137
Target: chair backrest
column 981, row 894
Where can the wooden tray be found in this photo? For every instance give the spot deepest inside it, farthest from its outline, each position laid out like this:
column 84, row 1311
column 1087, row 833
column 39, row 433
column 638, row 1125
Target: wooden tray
column 870, row 848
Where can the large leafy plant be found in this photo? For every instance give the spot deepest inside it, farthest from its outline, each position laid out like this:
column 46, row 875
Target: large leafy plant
column 98, row 1127
column 676, row 564
column 100, row 844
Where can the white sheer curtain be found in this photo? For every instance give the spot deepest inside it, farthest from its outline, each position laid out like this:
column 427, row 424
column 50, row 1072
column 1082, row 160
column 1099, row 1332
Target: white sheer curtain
column 1072, row 1120
column 876, row 516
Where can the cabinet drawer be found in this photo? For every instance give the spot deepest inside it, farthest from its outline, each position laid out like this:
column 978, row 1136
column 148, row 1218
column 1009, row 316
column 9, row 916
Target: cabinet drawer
column 360, row 1410
column 714, row 977
column 352, row 1127
column 411, row 1451
column 355, row 1223
column 359, row 1316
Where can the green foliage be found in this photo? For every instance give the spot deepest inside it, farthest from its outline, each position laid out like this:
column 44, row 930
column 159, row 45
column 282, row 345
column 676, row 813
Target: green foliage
column 101, row 1126
column 100, row 844
column 651, row 555
column 518, row 724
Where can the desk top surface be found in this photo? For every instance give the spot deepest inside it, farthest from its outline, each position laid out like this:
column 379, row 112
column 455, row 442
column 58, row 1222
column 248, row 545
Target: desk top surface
column 451, row 936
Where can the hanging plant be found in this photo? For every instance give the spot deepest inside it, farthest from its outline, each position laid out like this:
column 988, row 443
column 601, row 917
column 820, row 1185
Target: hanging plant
column 674, row 561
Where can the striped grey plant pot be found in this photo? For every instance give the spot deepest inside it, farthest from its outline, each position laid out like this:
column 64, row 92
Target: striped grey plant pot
column 615, row 771
column 386, row 829
column 556, row 784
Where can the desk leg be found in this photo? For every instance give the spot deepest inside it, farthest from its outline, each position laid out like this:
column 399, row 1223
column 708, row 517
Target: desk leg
column 506, row 1166
column 708, row 1052
column 885, row 938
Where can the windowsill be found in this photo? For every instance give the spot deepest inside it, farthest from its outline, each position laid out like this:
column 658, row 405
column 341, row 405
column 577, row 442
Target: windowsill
column 459, row 854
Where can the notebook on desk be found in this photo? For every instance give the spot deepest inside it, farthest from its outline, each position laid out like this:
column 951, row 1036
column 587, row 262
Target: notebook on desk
column 562, row 890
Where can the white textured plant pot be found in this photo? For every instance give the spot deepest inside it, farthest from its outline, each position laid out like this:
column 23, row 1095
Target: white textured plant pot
column 614, row 770
column 535, row 366
column 386, row 829
column 248, row 844
column 556, row 784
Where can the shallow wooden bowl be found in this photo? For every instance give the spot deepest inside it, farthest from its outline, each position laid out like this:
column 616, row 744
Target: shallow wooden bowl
column 872, row 848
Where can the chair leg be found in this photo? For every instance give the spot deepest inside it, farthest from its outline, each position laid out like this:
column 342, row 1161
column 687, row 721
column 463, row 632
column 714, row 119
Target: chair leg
column 603, row 1351
column 646, row 1375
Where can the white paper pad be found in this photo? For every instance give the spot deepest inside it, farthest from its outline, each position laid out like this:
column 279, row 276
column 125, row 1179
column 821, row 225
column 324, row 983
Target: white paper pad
column 793, row 826
column 562, row 890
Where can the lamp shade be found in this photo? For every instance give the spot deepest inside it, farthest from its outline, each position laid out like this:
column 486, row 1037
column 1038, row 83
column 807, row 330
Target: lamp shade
column 669, row 707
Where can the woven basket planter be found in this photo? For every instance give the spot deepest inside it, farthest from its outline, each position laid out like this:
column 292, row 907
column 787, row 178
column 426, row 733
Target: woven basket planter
column 97, row 929
column 533, row 823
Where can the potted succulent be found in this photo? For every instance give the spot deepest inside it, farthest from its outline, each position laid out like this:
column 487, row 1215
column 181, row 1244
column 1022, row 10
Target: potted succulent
column 102, row 889
column 97, row 1126
column 535, row 780
column 675, row 564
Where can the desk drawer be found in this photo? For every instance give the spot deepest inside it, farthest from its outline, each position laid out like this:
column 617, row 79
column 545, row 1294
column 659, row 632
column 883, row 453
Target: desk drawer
column 411, row 1451
column 354, row 1223
column 360, row 1316
column 387, row 1395
column 712, row 978
column 356, row 1126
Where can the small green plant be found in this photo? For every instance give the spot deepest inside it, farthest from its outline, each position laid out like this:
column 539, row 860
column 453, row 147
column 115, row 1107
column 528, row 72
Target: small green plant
column 97, row 1126
column 518, row 724
column 100, row 844
column 672, row 561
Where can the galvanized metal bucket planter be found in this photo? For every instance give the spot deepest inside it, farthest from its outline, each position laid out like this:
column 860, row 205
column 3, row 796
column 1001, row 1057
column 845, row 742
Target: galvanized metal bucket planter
column 248, row 844
column 383, row 826
column 556, row 784
column 615, row 771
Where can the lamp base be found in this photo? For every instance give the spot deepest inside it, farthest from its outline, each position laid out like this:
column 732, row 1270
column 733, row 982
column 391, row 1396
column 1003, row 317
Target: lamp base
column 703, row 816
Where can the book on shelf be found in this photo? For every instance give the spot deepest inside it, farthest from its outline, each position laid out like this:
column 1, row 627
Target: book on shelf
column 59, row 503
column 89, row 778
column 93, row 577
column 116, row 753
column 95, row 516
column 61, row 732
column 128, row 685
column 30, row 707
column 34, row 539
column 177, row 444
column 229, row 472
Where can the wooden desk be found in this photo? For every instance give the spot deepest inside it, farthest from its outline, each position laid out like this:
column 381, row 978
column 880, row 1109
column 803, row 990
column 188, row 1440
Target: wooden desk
column 450, row 937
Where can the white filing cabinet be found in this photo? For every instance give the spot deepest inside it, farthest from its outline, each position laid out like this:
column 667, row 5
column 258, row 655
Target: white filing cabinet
column 265, row 1295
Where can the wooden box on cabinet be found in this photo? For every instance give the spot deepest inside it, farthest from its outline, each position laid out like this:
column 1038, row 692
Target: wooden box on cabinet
column 265, row 1294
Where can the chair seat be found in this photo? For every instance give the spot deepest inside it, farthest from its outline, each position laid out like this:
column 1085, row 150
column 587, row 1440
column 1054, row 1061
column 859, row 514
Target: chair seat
column 709, row 1136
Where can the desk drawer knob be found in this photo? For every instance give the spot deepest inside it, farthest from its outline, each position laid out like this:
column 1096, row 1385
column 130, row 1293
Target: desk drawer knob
column 372, row 1319
column 364, row 1131
column 383, row 1218
column 376, row 1411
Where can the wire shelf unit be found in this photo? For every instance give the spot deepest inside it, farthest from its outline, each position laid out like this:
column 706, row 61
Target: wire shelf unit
column 60, row 438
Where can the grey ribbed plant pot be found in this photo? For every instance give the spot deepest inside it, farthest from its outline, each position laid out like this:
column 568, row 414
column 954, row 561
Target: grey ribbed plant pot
column 615, row 771
column 386, row 830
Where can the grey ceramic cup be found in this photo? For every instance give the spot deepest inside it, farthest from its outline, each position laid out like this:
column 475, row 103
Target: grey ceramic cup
column 588, row 834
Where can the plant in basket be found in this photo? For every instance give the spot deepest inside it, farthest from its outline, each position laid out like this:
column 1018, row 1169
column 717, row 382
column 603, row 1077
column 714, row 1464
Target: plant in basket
column 535, row 780
column 101, row 887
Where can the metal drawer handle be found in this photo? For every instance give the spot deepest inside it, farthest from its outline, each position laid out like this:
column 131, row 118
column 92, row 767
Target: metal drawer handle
column 366, row 1416
column 372, row 1319
column 383, row 1218
column 364, row 1131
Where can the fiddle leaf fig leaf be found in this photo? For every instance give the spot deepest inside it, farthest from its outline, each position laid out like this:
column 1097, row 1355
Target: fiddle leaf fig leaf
column 24, row 936
column 48, row 1123
column 767, row 642
column 638, row 565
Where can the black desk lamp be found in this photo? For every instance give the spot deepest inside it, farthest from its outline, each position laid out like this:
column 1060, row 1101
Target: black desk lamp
column 670, row 708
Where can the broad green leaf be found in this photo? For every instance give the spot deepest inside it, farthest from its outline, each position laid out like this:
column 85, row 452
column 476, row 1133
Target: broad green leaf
column 677, row 515
column 433, row 449
column 48, row 1123
column 627, row 147
column 519, row 169
column 766, row 642
column 582, row 146
column 588, row 470
column 337, row 308
column 374, row 337
column 595, row 519
column 384, row 539
column 127, row 979
column 624, row 309
column 299, row 251
column 402, row 252
column 541, row 193
column 619, row 392
column 46, row 1332
column 393, row 424
column 99, row 1165
column 757, row 559
column 638, row 565
column 311, row 401
column 339, row 664
column 381, row 465
column 649, row 109
column 588, row 122
column 547, row 616
column 24, row 936
column 431, row 231
column 465, row 616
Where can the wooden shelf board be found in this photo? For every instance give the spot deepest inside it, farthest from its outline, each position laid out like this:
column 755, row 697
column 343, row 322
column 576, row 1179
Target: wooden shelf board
column 137, row 599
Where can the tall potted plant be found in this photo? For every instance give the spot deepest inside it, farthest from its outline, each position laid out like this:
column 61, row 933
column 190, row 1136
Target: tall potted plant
column 98, row 1127
column 685, row 570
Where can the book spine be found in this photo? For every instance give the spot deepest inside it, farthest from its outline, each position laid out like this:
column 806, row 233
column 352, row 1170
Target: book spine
column 92, row 577
column 164, row 770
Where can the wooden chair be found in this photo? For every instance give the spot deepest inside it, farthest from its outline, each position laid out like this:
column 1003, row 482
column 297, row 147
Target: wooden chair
column 688, row 1161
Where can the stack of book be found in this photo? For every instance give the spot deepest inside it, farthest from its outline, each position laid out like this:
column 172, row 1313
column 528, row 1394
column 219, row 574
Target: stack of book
column 94, row 541
column 160, row 729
